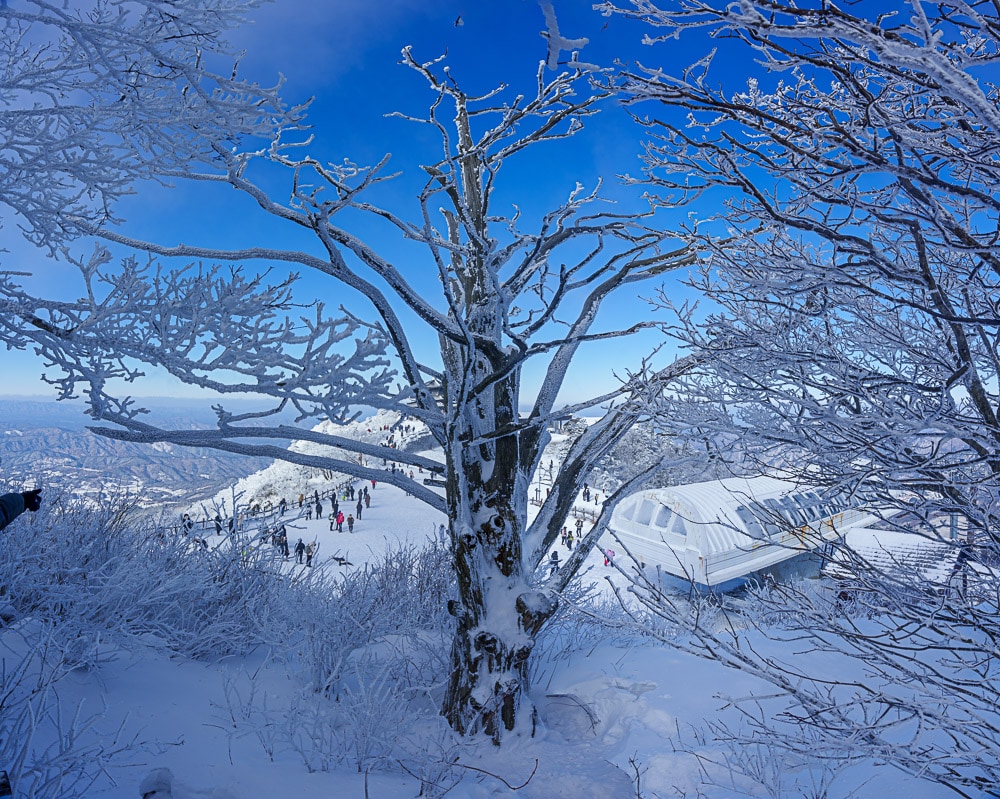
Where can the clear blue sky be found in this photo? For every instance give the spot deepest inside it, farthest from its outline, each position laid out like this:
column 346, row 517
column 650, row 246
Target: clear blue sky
column 345, row 55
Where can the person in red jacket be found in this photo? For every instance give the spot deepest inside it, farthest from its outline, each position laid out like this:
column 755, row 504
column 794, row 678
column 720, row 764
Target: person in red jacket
column 13, row 505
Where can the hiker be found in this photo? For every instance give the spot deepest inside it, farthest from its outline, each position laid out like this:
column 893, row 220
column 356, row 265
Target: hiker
column 360, row 506
column 300, row 551
column 319, row 509
column 553, row 563
column 350, row 523
column 340, row 522
column 368, row 501
column 13, row 505
column 187, row 523
column 310, row 551
column 218, row 524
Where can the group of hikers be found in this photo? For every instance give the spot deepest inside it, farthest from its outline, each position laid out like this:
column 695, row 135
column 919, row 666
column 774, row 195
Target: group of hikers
column 336, row 516
column 276, row 533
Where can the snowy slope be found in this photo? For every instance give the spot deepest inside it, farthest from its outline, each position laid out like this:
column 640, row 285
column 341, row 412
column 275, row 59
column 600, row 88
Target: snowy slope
column 618, row 716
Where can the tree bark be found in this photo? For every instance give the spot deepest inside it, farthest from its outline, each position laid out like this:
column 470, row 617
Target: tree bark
column 498, row 613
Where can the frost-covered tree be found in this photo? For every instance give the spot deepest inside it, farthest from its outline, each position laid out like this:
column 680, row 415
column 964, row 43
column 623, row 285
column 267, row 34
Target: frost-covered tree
column 854, row 267
column 497, row 293
column 96, row 96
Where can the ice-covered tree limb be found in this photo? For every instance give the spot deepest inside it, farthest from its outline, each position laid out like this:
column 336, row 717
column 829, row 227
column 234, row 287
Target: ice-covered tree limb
column 494, row 306
column 97, row 97
column 855, row 342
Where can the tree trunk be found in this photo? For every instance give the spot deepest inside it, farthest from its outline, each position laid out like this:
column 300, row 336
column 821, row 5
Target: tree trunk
column 498, row 617
column 498, row 613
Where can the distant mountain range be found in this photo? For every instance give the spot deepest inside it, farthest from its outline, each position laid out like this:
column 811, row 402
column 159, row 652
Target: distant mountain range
column 47, row 443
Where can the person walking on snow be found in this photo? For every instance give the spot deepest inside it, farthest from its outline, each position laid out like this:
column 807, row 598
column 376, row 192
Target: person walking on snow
column 319, row 509
column 13, row 505
column 350, row 523
column 340, row 522
column 300, row 550
column 310, row 551
column 360, row 505
column 368, row 502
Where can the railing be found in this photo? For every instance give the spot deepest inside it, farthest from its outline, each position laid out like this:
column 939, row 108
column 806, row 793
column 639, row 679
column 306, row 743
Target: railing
column 265, row 516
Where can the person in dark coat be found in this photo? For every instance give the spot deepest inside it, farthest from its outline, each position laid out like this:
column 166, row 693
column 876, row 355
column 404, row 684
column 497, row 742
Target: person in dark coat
column 13, row 505
column 360, row 506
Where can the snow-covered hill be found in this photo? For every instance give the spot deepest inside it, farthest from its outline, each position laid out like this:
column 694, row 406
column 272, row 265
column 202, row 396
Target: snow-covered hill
column 44, row 442
column 618, row 715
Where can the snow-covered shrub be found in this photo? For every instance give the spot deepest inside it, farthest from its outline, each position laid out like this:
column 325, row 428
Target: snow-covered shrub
column 329, row 616
column 49, row 750
column 370, row 647
column 104, row 571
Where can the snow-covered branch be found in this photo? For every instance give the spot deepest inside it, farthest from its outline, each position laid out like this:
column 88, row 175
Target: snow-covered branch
column 97, row 97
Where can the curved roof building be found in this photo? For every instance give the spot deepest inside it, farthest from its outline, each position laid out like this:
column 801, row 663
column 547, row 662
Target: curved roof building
column 719, row 534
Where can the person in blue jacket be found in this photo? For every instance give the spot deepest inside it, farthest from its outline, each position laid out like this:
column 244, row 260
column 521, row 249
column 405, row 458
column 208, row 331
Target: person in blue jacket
column 13, row 505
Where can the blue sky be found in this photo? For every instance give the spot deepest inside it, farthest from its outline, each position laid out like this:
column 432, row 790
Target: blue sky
column 345, row 55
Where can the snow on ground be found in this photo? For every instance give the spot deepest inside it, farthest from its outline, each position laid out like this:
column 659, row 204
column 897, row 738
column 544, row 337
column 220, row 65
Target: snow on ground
column 609, row 713
column 393, row 518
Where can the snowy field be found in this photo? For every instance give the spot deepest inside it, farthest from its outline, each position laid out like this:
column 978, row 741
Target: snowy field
column 618, row 716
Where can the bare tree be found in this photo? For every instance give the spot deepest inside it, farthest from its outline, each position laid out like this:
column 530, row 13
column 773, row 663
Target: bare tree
column 98, row 96
column 509, row 297
column 855, row 267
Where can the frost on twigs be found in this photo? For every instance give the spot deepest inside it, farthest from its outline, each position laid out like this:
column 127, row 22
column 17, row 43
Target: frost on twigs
column 96, row 98
column 852, row 342
column 512, row 295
